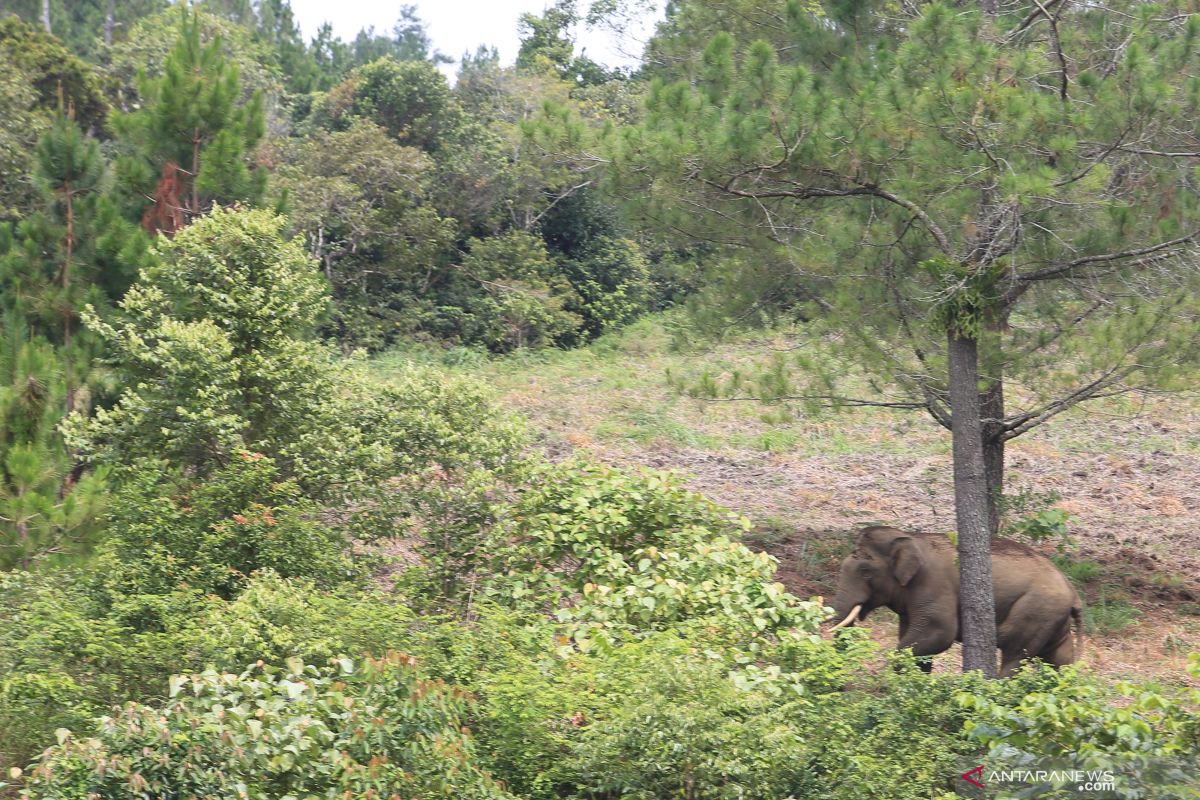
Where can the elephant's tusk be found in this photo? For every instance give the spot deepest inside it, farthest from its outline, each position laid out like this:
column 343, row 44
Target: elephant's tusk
column 849, row 620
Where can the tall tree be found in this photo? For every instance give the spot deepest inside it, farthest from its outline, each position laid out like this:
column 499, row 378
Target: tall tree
column 409, row 41
column 548, row 45
column 68, row 169
column 968, row 207
column 193, row 133
column 74, row 251
column 42, row 512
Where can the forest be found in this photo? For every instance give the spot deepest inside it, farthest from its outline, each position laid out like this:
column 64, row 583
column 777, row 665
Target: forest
column 377, row 422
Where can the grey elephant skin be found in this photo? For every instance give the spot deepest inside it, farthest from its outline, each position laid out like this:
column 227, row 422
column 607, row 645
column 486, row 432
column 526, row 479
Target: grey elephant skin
column 916, row 575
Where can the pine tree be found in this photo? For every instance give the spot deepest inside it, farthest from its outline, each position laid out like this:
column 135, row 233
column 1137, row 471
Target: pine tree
column 194, row 133
column 68, row 168
column 956, row 203
column 74, row 251
column 42, row 511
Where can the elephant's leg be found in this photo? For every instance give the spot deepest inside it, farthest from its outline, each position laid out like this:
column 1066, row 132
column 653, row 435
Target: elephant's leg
column 1024, row 633
column 925, row 641
column 1009, row 662
column 1062, row 651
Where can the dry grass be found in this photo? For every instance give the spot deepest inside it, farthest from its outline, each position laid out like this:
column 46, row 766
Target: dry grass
column 1128, row 471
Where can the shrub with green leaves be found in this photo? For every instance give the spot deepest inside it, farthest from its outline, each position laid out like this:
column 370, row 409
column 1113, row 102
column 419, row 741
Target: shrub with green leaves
column 668, row 716
column 214, row 347
column 1148, row 737
column 612, row 278
column 169, row 532
column 512, row 295
column 353, row 730
column 615, row 554
column 61, row 662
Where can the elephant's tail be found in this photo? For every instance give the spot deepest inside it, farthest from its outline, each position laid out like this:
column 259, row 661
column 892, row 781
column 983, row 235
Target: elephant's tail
column 1077, row 621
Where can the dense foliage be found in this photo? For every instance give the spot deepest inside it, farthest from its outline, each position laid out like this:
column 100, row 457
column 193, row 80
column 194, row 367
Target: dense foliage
column 237, row 562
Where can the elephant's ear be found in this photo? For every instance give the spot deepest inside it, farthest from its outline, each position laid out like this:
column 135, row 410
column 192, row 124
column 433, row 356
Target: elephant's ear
column 906, row 559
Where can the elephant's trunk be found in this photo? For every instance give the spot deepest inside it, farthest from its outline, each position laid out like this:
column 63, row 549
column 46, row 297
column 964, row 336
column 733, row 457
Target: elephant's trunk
column 849, row 620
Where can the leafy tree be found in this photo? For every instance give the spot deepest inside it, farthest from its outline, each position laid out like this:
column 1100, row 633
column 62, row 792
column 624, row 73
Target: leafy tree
column 985, row 199
column 511, row 294
column 216, row 353
column 193, row 133
column 345, row 189
column 41, row 79
column 332, row 56
column 409, row 42
column 62, row 80
column 409, row 99
column 548, row 45
column 167, row 531
column 84, row 25
column 273, row 24
column 20, row 127
column 214, row 347
column 152, row 39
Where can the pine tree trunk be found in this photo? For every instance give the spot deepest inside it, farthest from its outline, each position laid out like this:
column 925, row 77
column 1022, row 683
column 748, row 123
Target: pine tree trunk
column 991, row 401
column 65, row 278
column 110, row 21
column 46, row 15
column 976, row 609
column 993, row 469
column 195, row 210
column 991, row 406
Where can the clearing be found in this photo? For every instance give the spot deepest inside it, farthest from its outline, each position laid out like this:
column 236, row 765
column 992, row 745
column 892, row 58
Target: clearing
column 1126, row 469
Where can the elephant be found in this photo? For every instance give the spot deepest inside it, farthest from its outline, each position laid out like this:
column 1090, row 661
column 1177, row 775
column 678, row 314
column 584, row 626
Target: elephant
column 916, row 575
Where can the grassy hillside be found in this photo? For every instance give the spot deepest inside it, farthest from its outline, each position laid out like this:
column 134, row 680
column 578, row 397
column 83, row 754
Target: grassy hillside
column 1126, row 469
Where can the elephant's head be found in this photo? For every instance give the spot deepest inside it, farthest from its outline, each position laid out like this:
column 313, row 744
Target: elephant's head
column 877, row 573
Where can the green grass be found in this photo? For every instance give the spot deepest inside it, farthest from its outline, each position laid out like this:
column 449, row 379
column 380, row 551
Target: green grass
column 1080, row 572
column 629, row 389
column 1109, row 616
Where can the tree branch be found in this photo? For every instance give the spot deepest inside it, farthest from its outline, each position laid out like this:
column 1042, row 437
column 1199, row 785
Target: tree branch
column 1053, row 272
column 860, row 189
column 829, row 400
column 1023, row 423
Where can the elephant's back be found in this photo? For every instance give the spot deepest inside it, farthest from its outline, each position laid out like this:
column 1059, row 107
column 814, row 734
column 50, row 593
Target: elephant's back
column 1019, row 569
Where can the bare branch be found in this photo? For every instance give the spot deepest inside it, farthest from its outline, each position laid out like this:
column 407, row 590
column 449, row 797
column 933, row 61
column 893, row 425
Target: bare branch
column 1023, row 423
column 1032, row 17
column 831, row 401
column 859, row 189
column 1053, row 272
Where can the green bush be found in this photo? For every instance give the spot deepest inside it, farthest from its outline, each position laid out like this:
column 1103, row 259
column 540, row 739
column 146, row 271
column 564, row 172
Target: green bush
column 32, row 706
column 373, row 729
column 61, row 661
column 1145, row 736
column 512, row 296
column 612, row 278
column 168, row 531
column 665, row 717
column 214, row 348
column 615, row 554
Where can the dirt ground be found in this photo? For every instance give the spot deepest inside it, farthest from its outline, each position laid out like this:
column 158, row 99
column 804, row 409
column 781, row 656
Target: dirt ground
column 1128, row 473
